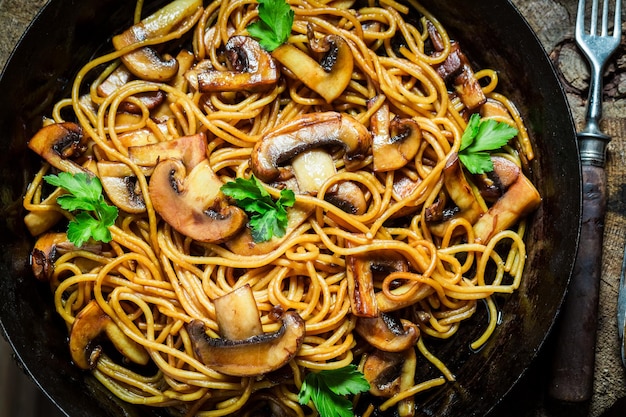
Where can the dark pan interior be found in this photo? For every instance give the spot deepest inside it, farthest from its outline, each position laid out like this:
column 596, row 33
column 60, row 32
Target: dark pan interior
column 66, row 34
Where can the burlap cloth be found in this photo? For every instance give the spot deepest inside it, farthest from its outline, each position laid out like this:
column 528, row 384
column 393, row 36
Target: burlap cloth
column 553, row 20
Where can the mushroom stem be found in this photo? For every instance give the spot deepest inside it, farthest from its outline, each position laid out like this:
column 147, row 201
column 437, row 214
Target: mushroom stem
column 237, row 314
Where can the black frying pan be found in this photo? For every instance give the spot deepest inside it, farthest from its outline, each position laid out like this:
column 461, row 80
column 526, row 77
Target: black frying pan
column 66, row 34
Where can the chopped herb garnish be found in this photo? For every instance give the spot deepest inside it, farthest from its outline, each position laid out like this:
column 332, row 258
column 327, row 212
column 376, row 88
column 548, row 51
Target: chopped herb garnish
column 93, row 216
column 268, row 218
column 328, row 390
column 480, row 138
column 274, row 25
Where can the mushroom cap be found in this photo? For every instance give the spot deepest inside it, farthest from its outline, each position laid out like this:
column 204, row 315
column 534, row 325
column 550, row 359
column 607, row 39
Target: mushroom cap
column 253, row 68
column 330, row 77
column 253, row 356
column 306, row 132
column 90, row 323
column 57, row 143
column 192, row 203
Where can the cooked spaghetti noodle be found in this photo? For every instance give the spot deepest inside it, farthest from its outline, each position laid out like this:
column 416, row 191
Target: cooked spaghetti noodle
column 151, row 280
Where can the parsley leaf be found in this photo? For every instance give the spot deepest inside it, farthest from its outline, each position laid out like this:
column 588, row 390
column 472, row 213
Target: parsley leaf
column 267, row 217
column 274, row 24
column 85, row 197
column 479, row 139
column 328, row 388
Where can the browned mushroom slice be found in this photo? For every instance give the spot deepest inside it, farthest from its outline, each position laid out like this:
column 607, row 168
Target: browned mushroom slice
column 461, row 193
column 314, row 130
column 58, row 143
column 493, row 184
column 244, row 245
column 120, row 184
column 40, row 221
column 189, row 149
column 457, row 69
column 251, row 69
column 50, row 246
column 360, row 270
column 328, row 78
column 253, row 356
column 313, row 168
column 117, row 79
column 519, row 199
column 46, row 250
column 394, row 141
column 386, row 333
column 494, row 109
column 90, row 323
column 145, row 62
column 382, row 370
column 192, row 203
column 348, row 196
column 404, row 186
column 237, row 314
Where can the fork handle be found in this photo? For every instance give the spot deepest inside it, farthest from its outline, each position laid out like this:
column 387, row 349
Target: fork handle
column 573, row 363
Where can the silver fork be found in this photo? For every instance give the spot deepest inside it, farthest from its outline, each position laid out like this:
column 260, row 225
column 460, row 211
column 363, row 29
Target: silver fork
column 597, row 47
column 573, row 364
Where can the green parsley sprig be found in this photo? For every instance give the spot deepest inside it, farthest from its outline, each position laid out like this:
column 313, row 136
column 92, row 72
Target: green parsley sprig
column 274, row 25
column 267, row 217
column 328, row 390
column 480, row 138
column 93, row 216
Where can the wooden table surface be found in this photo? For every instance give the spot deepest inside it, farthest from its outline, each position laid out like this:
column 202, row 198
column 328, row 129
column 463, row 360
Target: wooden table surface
column 553, row 21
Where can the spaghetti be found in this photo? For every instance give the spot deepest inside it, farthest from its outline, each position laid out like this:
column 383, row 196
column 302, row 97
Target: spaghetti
column 418, row 245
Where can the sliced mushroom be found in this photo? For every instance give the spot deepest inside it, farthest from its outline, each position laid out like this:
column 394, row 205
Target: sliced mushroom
column 237, row 314
column 192, row 203
column 348, row 196
column 387, row 333
column 461, row 193
column 404, row 186
column 243, row 244
column 456, row 68
column 493, row 184
column 40, row 221
column 313, row 168
column 254, row 356
column 520, row 198
column 117, row 79
column 395, row 141
column 360, row 271
column 58, row 143
column 120, row 184
column 191, row 150
column 145, row 62
column 494, row 109
column 383, row 370
column 328, row 78
column 251, row 69
column 92, row 322
column 45, row 252
column 314, row 130
column 391, row 373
